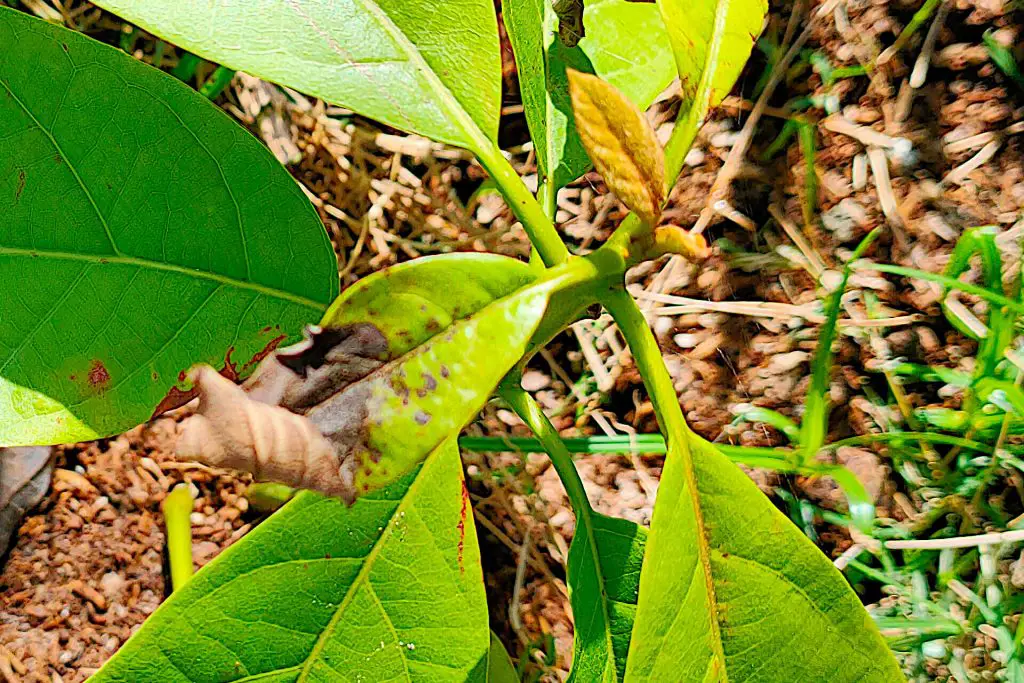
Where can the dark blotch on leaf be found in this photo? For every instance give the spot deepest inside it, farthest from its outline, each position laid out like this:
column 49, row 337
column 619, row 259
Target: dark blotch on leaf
column 422, row 417
column 98, row 376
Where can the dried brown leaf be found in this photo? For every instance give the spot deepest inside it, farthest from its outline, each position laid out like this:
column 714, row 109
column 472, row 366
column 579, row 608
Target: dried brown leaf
column 284, row 425
column 24, row 479
column 621, row 143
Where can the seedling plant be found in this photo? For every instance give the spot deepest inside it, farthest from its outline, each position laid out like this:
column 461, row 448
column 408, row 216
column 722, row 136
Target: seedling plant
column 151, row 239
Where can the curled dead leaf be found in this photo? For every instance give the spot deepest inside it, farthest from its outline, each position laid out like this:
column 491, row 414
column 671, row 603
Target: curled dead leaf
column 621, row 143
column 286, row 424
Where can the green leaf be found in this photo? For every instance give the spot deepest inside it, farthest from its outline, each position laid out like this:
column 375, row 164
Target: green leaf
column 711, row 40
column 626, row 45
column 500, row 668
column 732, row 591
column 142, row 231
column 425, row 68
column 604, row 580
column 406, row 358
column 390, row 588
column 455, row 324
column 413, row 301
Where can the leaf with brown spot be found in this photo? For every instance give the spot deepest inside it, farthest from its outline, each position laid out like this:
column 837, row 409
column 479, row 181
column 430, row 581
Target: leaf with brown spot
column 621, row 143
column 380, row 395
column 159, row 239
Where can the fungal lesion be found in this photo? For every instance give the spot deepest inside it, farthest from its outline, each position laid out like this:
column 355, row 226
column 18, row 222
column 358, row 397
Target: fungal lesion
column 301, row 419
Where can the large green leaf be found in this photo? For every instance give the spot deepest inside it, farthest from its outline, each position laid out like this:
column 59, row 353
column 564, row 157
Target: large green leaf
column 604, row 578
column 425, row 67
column 626, row 45
column 142, row 231
column 711, row 40
column 731, row 591
column 388, row 589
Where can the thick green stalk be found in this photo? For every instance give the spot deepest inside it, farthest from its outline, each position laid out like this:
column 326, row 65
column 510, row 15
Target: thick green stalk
column 177, row 509
column 649, row 362
column 525, row 206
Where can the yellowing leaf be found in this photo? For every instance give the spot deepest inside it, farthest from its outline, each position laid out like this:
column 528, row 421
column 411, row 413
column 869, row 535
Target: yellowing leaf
column 621, row 143
column 712, row 40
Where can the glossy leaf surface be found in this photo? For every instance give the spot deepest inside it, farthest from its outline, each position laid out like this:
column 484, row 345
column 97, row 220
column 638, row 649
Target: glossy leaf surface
column 604, row 579
column 729, row 585
column 142, row 231
column 711, row 40
column 423, row 67
column 455, row 325
column 388, row 589
column 626, row 45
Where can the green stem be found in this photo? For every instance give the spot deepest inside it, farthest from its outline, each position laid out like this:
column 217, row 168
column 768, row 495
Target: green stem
column 177, row 509
column 527, row 408
column 547, row 196
column 525, row 206
column 217, row 82
column 945, row 280
column 186, row 68
column 649, row 362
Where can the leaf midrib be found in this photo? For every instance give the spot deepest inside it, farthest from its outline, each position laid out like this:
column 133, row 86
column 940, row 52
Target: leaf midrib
column 103, row 259
column 363, row 574
column 701, row 103
column 703, row 549
column 477, row 139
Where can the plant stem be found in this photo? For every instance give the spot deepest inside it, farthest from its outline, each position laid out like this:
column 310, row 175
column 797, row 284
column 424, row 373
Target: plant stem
column 649, row 362
column 177, row 509
column 217, row 82
column 525, row 206
column 547, row 196
column 527, row 408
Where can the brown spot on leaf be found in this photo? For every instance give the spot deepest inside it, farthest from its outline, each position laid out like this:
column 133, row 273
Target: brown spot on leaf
column 58, row 159
column 433, row 325
column 421, row 417
column 98, row 376
column 230, row 369
column 21, row 184
column 463, row 513
column 64, row 46
column 444, row 371
column 429, row 383
column 258, row 357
